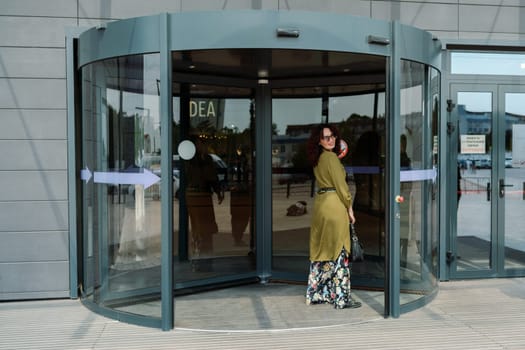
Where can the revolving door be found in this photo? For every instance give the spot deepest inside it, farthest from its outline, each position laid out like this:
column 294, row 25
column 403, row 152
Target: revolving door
column 193, row 162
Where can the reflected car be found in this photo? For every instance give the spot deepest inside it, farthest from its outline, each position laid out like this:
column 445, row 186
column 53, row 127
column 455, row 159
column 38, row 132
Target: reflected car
column 483, row 164
column 152, row 163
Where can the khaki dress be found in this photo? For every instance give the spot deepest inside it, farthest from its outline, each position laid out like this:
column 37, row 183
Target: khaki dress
column 329, row 276
column 329, row 232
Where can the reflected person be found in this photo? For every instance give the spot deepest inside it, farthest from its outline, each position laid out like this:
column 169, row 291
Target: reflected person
column 404, row 208
column 240, row 197
column 203, row 181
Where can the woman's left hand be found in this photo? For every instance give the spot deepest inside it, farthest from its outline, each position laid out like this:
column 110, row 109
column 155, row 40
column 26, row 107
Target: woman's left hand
column 351, row 215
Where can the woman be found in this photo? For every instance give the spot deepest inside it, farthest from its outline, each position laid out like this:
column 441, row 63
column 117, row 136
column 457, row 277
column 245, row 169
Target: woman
column 329, row 278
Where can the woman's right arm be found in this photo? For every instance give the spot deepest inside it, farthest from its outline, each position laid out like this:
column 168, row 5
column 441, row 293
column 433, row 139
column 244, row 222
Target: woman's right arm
column 338, row 175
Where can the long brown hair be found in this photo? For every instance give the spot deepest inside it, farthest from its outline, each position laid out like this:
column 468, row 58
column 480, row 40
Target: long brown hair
column 313, row 147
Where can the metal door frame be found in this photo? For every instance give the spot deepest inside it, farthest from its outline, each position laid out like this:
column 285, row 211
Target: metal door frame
column 504, row 271
column 498, row 86
column 451, row 255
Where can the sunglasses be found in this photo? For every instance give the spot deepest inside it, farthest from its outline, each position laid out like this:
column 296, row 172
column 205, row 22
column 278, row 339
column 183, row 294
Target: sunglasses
column 328, row 137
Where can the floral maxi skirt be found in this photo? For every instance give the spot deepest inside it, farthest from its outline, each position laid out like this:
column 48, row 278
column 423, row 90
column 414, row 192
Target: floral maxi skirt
column 329, row 281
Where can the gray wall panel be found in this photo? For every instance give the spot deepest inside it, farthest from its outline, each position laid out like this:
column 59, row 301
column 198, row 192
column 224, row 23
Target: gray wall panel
column 34, row 31
column 34, row 277
column 33, row 216
column 118, row 9
column 444, row 35
column 429, row 1
column 427, row 16
column 33, row 155
column 491, row 38
column 90, row 22
column 33, row 93
column 34, row 246
column 25, row 124
column 33, row 186
column 55, row 8
column 30, row 295
column 34, row 253
column 356, row 8
column 197, row 5
column 496, row 19
column 493, row 2
column 24, row 62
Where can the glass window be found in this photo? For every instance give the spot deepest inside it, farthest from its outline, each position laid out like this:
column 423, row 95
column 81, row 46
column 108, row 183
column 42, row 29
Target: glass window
column 292, row 199
column 514, row 179
column 487, row 63
column 360, row 119
column 214, row 233
column 431, row 248
column 121, row 197
column 475, row 114
column 419, row 106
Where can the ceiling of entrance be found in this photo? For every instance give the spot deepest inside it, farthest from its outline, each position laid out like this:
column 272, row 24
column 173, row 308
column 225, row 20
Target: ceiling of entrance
column 290, row 72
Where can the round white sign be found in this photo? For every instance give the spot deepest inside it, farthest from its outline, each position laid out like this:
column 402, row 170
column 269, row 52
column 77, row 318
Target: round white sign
column 186, row 149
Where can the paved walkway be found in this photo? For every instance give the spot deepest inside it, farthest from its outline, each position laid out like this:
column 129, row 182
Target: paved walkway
column 474, row 314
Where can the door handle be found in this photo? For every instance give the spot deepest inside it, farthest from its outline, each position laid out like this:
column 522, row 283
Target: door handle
column 502, row 186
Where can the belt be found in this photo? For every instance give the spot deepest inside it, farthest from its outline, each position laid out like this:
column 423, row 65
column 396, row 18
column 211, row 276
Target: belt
column 325, row 189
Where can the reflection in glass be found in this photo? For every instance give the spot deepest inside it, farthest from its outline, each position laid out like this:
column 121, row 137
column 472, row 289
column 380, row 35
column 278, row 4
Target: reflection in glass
column 418, row 210
column 361, row 121
column 486, row 63
column 213, row 198
column 292, row 181
column 514, row 180
column 121, row 197
column 475, row 163
column 412, row 158
column 431, row 248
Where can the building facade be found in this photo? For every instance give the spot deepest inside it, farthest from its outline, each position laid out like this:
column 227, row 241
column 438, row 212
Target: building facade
column 36, row 52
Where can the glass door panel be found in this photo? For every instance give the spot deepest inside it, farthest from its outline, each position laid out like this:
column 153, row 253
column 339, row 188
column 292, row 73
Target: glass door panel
column 361, row 119
column 121, row 181
column 214, row 188
column 474, row 160
column 490, row 237
column 513, row 185
column 292, row 183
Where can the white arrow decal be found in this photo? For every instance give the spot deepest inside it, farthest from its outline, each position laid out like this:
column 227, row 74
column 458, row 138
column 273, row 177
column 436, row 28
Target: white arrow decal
column 146, row 178
column 418, row 175
column 85, row 174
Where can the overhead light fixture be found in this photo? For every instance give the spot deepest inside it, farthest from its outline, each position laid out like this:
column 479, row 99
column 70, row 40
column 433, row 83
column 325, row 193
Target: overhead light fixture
column 522, row 66
column 262, row 73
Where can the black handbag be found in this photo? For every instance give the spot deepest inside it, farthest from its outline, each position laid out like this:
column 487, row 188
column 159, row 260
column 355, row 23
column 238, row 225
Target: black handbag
column 357, row 252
